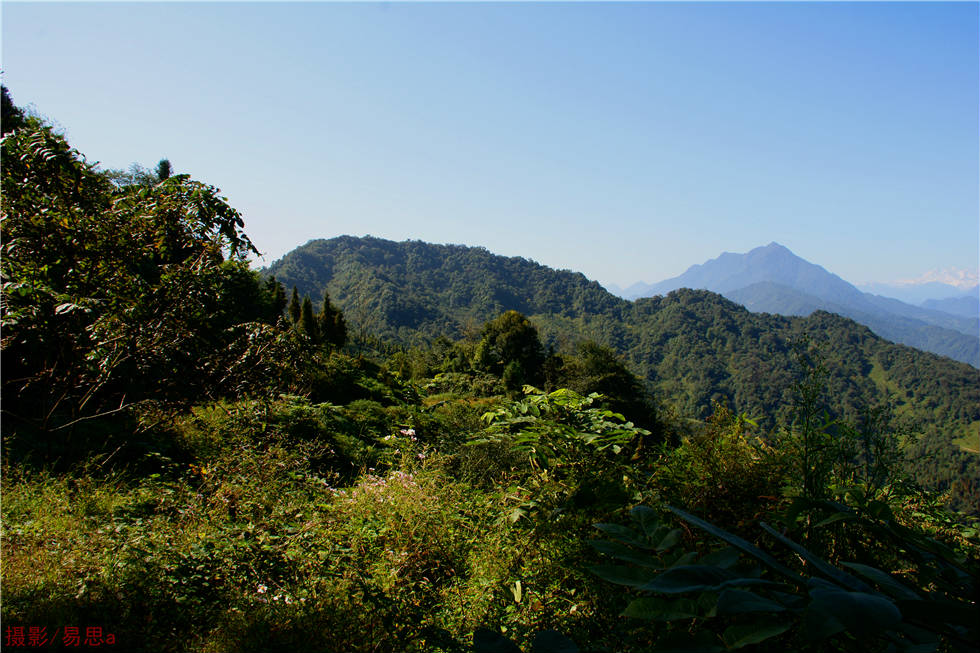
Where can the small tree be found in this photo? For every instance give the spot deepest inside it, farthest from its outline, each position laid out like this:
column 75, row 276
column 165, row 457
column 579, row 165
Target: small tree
column 511, row 338
column 113, row 294
column 164, row 169
column 307, row 322
column 333, row 327
column 277, row 298
column 295, row 308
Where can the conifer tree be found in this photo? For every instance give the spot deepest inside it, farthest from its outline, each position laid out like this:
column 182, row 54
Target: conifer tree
column 339, row 334
column 333, row 327
column 294, row 307
column 326, row 317
column 277, row 298
column 307, row 322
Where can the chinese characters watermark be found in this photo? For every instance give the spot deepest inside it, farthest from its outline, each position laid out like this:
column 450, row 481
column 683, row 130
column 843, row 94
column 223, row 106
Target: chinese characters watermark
column 67, row 636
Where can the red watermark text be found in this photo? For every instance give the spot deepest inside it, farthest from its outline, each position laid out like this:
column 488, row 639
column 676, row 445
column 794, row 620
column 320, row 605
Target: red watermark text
column 63, row 636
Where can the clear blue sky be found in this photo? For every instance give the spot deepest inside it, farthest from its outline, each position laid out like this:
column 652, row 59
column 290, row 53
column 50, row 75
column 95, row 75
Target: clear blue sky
column 626, row 141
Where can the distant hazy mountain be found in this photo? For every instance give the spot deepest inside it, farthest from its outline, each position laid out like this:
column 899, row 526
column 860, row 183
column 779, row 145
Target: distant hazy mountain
column 764, row 296
column 964, row 306
column 772, row 279
column 916, row 293
column 614, row 289
column 935, row 284
column 773, row 263
column 961, row 278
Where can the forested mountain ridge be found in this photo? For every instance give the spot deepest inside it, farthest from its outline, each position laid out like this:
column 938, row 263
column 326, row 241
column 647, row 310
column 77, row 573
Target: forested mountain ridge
column 413, row 290
column 888, row 318
column 772, row 279
column 692, row 347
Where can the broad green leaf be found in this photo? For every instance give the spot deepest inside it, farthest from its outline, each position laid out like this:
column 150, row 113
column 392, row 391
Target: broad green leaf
column 623, row 534
column 741, row 635
column 734, row 540
column 647, row 518
column 791, row 601
column 706, row 603
column 626, row 554
column 670, row 540
column 836, row 517
column 660, row 609
column 828, row 570
column 700, row 578
column 885, row 580
column 818, row 623
column 926, row 647
column 924, row 639
column 736, row 601
column 620, row 575
column 725, row 558
column 859, row 612
column 684, row 559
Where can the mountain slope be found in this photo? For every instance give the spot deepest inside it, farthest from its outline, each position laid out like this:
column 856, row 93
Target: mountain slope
column 969, row 325
column 412, row 290
column 691, row 346
column 965, row 306
column 773, row 263
column 769, row 297
column 774, row 280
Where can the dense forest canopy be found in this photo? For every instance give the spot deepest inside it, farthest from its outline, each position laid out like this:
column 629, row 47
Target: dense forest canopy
column 431, row 448
column 692, row 348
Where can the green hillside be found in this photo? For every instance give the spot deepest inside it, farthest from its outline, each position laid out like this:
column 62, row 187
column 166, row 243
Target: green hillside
column 413, row 290
column 956, row 339
column 693, row 347
column 197, row 460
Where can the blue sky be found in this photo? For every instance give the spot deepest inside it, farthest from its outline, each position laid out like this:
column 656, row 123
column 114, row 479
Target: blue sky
column 626, row 141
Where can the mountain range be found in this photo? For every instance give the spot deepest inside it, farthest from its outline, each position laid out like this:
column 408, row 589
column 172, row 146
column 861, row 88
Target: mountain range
column 692, row 347
column 921, row 293
column 772, row 279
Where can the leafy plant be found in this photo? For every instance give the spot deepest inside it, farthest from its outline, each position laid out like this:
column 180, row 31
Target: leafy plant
column 545, row 426
column 742, row 595
column 724, row 469
column 575, row 452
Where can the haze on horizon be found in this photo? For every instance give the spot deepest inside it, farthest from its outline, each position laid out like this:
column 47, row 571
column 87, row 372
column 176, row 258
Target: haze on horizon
column 625, row 141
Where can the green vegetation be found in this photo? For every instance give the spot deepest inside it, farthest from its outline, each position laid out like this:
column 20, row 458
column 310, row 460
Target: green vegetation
column 691, row 349
column 192, row 462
